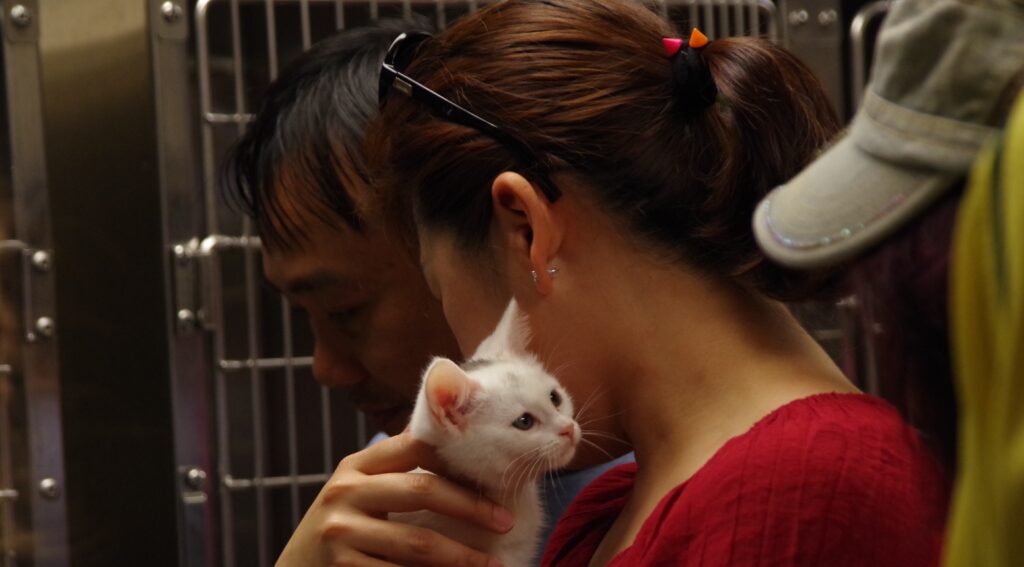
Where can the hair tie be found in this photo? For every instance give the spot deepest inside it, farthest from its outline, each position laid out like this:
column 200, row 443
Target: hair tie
column 691, row 74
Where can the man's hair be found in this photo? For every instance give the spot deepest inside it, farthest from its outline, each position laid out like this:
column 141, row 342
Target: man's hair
column 303, row 152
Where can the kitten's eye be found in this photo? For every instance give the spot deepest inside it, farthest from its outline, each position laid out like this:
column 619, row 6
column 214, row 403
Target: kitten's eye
column 523, row 422
column 556, row 398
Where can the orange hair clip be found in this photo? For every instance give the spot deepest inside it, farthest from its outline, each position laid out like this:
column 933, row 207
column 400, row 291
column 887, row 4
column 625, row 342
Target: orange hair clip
column 697, row 39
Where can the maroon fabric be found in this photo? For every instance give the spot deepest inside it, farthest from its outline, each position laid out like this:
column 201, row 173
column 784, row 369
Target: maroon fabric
column 834, row 479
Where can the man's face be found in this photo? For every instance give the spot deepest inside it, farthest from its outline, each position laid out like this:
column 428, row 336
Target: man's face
column 374, row 320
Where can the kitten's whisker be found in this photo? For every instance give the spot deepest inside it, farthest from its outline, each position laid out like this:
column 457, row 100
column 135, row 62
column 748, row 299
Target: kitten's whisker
column 525, row 471
column 549, row 474
column 600, row 418
column 556, row 480
column 603, row 435
column 562, row 367
column 541, row 463
column 512, row 466
column 552, row 350
column 522, row 477
column 525, row 455
column 588, row 404
column 598, row 447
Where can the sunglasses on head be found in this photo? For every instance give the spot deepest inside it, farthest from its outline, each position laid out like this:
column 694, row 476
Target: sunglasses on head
column 392, row 76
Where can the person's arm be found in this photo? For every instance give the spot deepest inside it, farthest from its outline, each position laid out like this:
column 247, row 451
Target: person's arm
column 347, row 523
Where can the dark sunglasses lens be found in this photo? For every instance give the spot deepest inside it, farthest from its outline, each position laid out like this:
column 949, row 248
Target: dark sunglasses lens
column 384, row 85
column 403, row 51
column 398, row 57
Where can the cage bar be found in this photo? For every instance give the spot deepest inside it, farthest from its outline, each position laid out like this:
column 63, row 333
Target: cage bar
column 867, row 16
column 8, row 494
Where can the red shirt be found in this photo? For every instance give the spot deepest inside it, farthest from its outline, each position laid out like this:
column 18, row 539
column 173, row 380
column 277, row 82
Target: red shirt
column 833, row 480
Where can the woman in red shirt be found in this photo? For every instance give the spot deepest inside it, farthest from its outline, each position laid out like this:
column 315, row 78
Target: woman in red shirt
column 832, row 479
column 573, row 155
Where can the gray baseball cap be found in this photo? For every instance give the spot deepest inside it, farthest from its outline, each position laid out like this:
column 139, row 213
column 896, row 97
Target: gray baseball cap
column 942, row 69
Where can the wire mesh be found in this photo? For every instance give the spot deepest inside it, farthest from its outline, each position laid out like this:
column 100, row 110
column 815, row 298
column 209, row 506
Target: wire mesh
column 271, row 458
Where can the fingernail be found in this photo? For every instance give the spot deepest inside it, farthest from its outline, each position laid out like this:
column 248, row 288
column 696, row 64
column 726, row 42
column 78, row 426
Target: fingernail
column 503, row 519
column 495, row 563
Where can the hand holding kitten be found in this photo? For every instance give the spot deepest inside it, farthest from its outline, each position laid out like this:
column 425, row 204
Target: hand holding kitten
column 347, row 523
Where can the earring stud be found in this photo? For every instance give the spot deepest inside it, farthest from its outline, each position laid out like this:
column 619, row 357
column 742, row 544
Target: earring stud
column 551, row 272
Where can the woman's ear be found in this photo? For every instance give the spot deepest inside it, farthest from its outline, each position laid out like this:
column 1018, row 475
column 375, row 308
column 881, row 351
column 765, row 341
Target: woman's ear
column 529, row 225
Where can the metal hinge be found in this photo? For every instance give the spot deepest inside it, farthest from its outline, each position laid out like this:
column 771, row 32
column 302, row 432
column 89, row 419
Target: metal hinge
column 197, row 279
column 35, row 263
column 187, row 308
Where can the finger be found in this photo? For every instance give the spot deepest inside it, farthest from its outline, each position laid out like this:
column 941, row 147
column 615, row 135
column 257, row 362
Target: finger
column 352, row 558
column 409, row 492
column 400, row 453
column 406, row 544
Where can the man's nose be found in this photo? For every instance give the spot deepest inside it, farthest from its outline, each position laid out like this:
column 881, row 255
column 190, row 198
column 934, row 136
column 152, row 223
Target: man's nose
column 332, row 368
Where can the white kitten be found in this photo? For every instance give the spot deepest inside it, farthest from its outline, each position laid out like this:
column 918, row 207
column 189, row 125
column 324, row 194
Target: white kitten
column 500, row 421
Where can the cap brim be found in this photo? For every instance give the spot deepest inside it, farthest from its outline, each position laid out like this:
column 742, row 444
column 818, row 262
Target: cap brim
column 843, row 203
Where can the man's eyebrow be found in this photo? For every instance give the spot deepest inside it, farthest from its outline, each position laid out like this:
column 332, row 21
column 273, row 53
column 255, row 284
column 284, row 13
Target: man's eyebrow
column 314, row 281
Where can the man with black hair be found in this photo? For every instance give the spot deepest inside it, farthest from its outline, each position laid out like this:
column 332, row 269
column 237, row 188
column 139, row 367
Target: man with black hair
column 300, row 173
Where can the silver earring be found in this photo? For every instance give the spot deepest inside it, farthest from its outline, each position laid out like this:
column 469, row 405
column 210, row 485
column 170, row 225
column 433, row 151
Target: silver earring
column 551, row 272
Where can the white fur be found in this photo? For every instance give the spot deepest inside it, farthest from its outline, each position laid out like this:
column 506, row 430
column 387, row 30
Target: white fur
column 480, row 443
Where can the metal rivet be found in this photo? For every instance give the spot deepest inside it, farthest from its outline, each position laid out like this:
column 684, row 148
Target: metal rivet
column 798, row 17
column 21, row 16
column 827, row 18
column 41, row 261
column 186, row 319
column 170, row 11
column 849, row 302
column 195, row 478
column 45, row 326
column 49, row 488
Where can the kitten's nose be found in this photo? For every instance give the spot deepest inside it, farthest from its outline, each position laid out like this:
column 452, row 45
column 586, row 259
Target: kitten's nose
column 569, row 431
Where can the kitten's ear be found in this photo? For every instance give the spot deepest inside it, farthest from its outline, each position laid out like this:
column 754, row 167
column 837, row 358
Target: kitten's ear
column 510, row 336
column 449, row 392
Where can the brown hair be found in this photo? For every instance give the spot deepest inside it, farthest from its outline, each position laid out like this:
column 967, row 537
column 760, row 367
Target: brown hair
column 903, row 288
column 587, row 86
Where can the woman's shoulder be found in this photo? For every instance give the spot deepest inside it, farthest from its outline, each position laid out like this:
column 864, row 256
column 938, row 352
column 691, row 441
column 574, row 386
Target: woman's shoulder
column 827, row 422
column 835, row 476
column 827, row 450
column 853, row 438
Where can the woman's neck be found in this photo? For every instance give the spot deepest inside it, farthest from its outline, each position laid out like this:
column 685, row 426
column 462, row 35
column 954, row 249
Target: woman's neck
column 691, row 365
column 697, row 362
